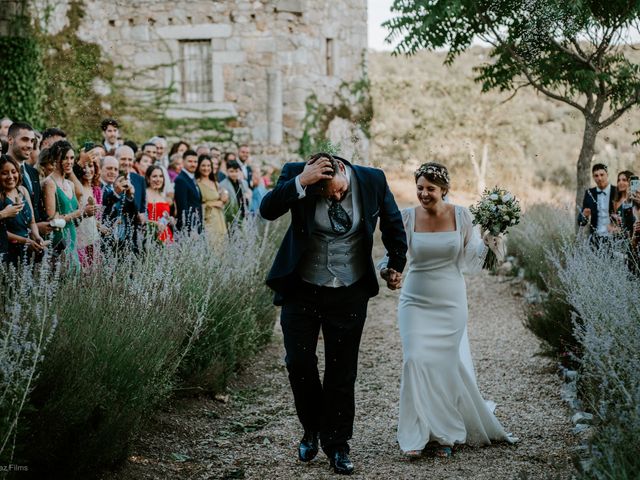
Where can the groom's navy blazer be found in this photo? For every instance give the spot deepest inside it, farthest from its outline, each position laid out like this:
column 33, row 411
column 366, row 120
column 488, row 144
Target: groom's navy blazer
column 377, row 202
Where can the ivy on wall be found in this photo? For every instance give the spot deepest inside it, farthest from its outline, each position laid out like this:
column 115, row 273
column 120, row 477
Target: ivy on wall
column 72, row 66
column 353, row 103
column 22, row 86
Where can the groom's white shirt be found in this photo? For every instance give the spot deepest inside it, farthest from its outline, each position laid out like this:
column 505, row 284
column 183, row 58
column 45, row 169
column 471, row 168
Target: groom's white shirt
column 603, row 210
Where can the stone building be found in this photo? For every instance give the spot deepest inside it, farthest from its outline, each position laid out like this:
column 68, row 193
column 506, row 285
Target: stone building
column 255, row 64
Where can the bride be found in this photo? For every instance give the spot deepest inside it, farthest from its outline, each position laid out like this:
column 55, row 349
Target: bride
column 439, row 399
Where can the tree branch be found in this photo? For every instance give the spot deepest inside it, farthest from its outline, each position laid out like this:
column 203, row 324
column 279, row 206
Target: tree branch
column 621, row 111
column 576, row 55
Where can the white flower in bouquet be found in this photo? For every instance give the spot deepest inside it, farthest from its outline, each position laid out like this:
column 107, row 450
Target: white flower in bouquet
column 497, row 210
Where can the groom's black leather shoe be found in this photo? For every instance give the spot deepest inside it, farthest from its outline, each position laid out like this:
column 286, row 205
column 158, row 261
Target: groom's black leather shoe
column 308, row 448
column 341, row 463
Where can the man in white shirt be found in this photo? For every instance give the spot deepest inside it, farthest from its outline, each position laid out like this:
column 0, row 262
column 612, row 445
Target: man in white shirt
column 110, row 128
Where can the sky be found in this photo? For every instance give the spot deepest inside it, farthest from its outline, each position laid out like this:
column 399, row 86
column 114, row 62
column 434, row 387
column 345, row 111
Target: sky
column 379, row 11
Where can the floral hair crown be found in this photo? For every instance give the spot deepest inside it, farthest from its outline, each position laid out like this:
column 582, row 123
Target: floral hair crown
column 433, row 170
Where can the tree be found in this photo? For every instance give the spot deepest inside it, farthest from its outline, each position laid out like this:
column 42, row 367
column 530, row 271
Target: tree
column 575, row 52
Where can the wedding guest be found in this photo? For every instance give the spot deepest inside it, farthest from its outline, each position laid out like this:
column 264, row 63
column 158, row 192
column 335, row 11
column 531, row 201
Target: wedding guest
column 162, row 152
column 622, row 206
column 18, row 221
column 50, row 136
column 239, row 192
column 120, row 215
column 5, row 123
column 213, row 201
column 35, row 152
column 245, row 166
column 132, row 145
column 175, row 166
column 187, row 197
column 597, row 205
column 61, row 202
column 109, row 127
column 136, row 184
column 87, row 170
column 259, row 191
column 45, row 164
column 179, row 147
column 202, row 150
column 226, row 158
column 159, row 155
column 142, row 162
column 20, row 138
column 125, row 158
column 109, row 168
column 151, row 150
column 158, row 206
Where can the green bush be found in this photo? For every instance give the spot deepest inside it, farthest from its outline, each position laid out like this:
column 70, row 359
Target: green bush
column 544, row 229
column 130, row 330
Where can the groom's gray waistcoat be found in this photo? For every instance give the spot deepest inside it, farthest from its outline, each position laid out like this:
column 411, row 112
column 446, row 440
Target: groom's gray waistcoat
column 333, row 260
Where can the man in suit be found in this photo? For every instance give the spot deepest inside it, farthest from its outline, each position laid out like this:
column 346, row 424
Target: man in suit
column 109, row 127
column 187, row 196
column 597, row 205
column 247, row 171
column 323, row 277
column 137, row 189
column 124, row 155
column 21, row 140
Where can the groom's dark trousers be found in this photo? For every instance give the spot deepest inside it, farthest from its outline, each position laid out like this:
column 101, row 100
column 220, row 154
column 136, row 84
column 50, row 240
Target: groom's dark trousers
column 339, row 312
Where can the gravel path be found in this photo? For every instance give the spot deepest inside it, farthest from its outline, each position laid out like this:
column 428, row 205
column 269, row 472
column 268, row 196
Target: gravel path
column 254, row 434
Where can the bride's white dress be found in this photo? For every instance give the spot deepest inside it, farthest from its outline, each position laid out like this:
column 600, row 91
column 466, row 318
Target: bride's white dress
column 439, row 398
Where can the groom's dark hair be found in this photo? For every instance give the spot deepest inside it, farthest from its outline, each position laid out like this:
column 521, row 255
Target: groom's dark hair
column 334, row 163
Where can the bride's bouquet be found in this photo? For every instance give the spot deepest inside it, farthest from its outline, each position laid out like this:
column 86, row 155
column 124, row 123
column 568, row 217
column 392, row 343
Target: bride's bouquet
column 497, row 210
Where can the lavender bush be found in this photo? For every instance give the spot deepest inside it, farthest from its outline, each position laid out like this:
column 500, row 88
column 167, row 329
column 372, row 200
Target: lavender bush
column 543, row 229
column 606, row 297
column 132, row 329
column 27, row 324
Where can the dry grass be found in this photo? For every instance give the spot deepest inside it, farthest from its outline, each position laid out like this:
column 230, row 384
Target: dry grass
column 425, row 111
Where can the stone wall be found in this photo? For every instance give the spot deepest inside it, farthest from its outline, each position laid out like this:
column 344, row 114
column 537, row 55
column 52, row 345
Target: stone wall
column 267, row 57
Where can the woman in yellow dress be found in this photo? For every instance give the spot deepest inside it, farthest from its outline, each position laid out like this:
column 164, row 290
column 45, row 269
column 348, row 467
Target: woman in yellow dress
column 213, row 201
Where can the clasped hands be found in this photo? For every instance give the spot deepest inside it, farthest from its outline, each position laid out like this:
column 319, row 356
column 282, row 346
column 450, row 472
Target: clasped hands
column 393, row 278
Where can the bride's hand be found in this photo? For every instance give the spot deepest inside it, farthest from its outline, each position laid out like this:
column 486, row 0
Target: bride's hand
column 393, row 278
column 497, row 245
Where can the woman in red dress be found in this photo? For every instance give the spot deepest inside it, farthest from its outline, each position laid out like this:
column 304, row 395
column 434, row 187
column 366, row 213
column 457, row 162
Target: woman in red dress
column 158, row 205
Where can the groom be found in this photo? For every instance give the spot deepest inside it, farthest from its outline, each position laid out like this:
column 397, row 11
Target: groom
column 323, row 277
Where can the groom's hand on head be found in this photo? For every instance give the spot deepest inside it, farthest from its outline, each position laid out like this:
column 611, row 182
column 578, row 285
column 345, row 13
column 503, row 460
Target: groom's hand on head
column 315, row 171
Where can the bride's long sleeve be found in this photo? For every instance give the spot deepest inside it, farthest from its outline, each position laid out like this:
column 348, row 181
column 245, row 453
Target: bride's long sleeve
column 475, row 251
column 408, row 228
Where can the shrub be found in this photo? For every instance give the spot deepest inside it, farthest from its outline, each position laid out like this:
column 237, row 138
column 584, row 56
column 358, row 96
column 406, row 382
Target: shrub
column 605, row 296
column 544, row 229
column 26, row 327
column 239, row 315
column 122, row 331
column 126, row 328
